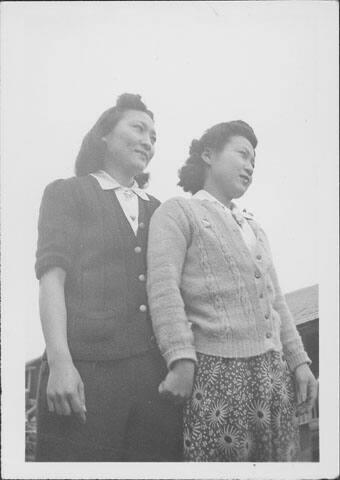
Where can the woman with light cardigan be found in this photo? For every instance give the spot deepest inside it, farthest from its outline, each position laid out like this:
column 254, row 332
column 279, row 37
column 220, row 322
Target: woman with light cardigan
column 219, row 316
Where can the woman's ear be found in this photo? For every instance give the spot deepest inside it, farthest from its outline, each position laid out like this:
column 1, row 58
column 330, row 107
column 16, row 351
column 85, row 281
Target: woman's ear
column 206, row 156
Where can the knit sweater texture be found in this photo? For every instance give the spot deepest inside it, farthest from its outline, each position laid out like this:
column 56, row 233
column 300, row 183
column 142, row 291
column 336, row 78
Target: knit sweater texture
column 208, row 293
column 83, row 230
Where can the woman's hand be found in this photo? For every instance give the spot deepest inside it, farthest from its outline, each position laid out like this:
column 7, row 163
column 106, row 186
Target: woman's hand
column 65, row 390
column 178, row 383
column 306, row 388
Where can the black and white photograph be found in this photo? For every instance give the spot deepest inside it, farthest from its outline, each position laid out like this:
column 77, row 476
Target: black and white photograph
column 169, row 240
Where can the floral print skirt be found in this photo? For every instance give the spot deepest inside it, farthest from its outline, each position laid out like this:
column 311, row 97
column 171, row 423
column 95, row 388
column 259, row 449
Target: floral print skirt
column 241, row 410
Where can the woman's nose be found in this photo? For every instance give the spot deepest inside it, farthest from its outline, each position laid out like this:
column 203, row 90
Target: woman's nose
column 146, row 142
column 249, row 169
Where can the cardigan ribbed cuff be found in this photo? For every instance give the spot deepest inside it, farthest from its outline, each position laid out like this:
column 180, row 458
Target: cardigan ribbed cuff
column 185, row 353
column 295, row 359
column 46, row 262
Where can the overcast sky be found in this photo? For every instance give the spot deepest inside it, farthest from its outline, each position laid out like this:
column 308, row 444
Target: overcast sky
column 272, row 64
column 195, row 64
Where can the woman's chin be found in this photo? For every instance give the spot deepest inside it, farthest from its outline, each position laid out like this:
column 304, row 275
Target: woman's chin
column 139, row 167
column 239, row 192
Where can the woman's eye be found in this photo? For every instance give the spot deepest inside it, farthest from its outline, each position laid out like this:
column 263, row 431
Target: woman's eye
column 138, row 127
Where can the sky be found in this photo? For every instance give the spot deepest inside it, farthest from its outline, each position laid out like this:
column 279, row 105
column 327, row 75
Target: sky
column 271, row 64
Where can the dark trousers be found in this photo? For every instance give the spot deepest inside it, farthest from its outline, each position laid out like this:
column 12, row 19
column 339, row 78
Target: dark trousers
column 126, row 420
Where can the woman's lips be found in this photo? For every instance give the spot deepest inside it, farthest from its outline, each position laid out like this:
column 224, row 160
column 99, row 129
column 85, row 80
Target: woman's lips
column 245, row 179
column 143, row 154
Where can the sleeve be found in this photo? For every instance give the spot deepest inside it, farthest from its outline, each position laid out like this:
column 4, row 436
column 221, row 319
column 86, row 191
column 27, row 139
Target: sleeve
column 169, row 237
column 293, row 348
column 58, row 228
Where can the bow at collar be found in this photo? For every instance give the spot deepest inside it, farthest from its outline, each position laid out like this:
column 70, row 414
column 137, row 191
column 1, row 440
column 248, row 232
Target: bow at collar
column 239, row 216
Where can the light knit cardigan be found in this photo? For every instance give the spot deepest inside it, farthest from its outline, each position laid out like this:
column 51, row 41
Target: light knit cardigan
column 208, row 293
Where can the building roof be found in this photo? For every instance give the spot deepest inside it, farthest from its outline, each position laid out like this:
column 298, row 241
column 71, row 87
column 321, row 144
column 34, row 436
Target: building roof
column 34, row 362
column 304, row 304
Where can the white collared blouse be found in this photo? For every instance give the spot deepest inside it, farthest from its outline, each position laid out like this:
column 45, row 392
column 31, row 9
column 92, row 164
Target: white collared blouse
column 127, row 196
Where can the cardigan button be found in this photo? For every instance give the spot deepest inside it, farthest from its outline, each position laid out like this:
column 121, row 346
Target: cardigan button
column 142, row 308
column 268, row 335
column 219, row 302
column 267, row 316
column 137, row 249
column 257, row 275
column 259, row 257
column 141, row 225
column 141, row 278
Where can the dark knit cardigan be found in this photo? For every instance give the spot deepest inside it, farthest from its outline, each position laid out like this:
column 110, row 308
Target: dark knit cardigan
column 83, row 230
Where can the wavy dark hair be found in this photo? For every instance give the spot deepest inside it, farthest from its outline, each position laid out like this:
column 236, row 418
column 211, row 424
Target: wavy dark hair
column 92, row 151
column 192, row 174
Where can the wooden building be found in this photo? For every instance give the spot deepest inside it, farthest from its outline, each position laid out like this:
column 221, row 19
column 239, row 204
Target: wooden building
column 304, row 305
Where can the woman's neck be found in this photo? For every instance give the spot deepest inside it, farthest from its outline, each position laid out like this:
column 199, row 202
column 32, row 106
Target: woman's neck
column 215, row 192
column 122, row 177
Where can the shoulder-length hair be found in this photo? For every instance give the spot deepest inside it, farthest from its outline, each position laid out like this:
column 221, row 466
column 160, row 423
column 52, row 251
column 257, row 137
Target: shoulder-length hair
column 192, row 174
column 92, row 150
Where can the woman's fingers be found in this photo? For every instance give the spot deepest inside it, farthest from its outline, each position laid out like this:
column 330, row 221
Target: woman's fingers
column 82, row 413
column 168, row 394
column 302, row 409
column 66, row 404
column 65, row 391
column 301, row 391
column 81, row 392
column 306, row 389
column 54, row 403
column 312, row 392
column 177, row 398
column 78, row 407
column 301, row 395
column 61, row 405
column 164, row 392
column 301, row 381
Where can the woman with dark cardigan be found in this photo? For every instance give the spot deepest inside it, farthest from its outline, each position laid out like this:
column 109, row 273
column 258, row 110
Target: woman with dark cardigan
column 98, row 393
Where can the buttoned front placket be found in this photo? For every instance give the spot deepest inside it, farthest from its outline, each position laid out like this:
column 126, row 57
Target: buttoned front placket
column 259, row 274
column 252, row 249
column 256, row 254
column 140, row 257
